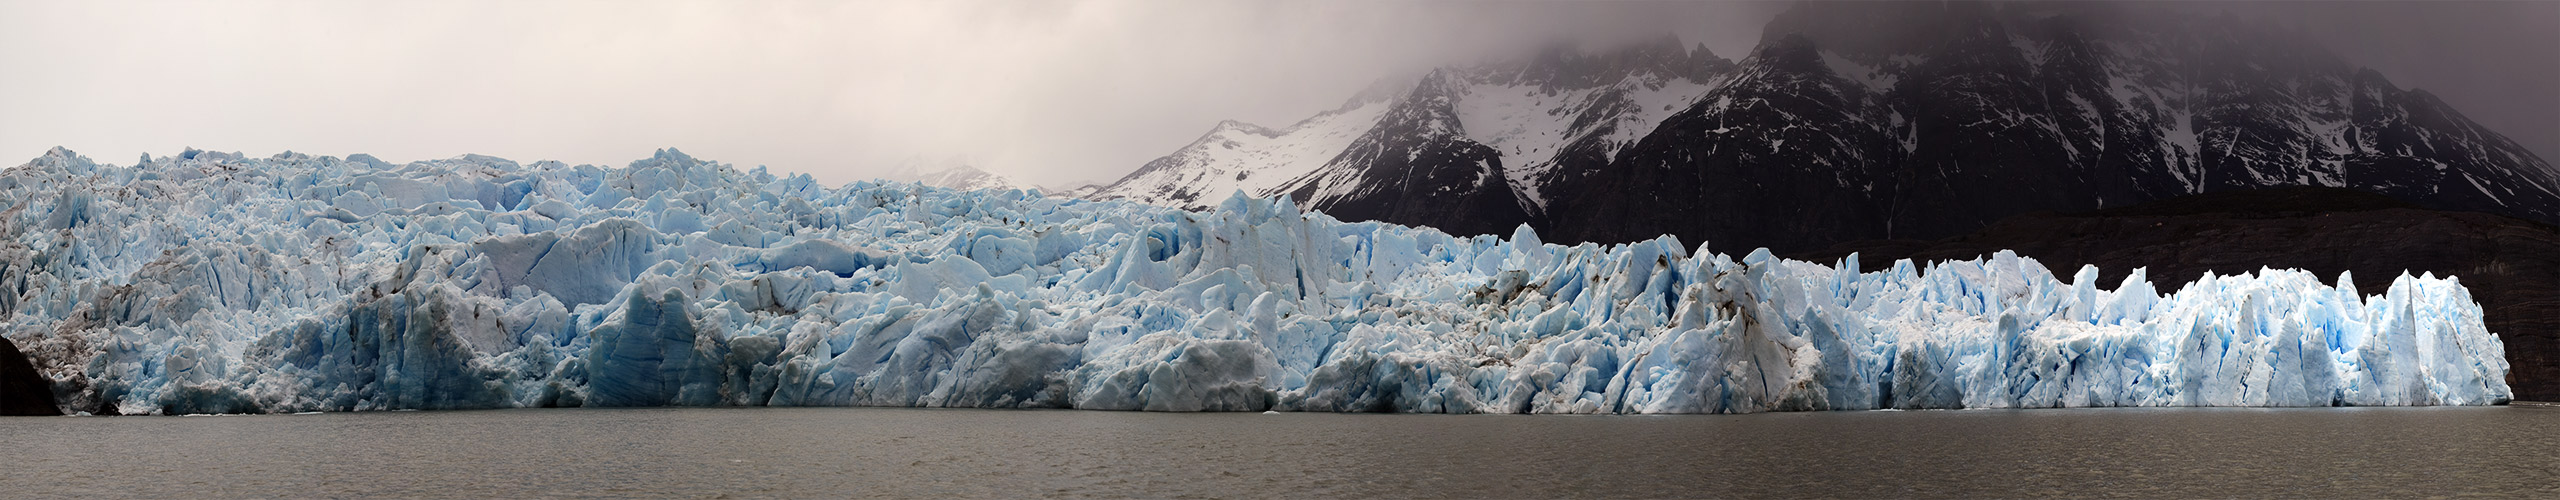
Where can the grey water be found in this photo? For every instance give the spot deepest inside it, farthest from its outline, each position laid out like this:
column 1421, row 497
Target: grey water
column 880, row 452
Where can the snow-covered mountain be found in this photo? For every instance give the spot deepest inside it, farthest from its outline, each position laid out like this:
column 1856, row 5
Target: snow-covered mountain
column 951, row 174
column 1075, row 189
column 1237, row 156
column 1457, row 145
column 1858, row 121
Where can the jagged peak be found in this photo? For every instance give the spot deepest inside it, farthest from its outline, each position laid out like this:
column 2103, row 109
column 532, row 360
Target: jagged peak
column 1224, row 126
column 64, row 159
column 671, row 154
column 1794, row 53
column 1701, row 53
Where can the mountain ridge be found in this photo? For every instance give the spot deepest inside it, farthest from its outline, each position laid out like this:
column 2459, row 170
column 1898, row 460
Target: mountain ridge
column 1855, row 122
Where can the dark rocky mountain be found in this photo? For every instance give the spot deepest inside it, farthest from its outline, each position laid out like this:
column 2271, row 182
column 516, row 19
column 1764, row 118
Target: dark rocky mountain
column 1786, row 144
column 1976, row 112
column 2511, row 265
column 1420, row 165
column 1465, row 149
column 1417, row 164
column 1856, row 121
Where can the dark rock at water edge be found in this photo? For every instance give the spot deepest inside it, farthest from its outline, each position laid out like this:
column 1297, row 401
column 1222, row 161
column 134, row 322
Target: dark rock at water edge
column 23, row 392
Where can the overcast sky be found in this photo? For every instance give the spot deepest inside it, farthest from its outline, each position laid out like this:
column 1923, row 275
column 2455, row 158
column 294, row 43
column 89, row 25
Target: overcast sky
column 1047, row 92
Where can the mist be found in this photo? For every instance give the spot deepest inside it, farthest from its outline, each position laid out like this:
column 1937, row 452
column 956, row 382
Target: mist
column 1053, row 93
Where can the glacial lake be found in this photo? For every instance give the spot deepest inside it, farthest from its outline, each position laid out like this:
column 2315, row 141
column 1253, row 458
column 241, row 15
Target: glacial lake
column 885, row 452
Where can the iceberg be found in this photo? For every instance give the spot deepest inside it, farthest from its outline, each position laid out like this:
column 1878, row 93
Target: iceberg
column 212, row 282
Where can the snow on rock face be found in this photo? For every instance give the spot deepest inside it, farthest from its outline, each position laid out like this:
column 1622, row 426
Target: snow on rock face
column 214, row 283
column 1239, row 157
column 951, row 174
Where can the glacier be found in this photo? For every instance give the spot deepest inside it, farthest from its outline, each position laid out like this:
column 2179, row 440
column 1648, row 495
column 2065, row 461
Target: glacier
column 211, row 282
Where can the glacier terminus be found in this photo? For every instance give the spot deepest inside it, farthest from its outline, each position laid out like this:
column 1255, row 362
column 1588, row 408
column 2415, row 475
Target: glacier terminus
column 212, row 282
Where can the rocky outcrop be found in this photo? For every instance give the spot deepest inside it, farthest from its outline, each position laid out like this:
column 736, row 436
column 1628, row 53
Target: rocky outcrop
column 22, row 390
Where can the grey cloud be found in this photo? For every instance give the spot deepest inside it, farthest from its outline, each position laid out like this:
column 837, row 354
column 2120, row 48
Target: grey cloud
column 1049, row 92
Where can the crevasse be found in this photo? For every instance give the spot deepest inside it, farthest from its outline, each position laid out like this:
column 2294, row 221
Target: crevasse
column 213, row 283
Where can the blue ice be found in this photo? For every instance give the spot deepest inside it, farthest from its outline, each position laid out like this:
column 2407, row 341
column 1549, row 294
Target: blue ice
column 213, row 282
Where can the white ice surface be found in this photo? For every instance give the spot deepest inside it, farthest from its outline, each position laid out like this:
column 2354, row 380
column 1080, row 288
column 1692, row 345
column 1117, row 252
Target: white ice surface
column 213, row 283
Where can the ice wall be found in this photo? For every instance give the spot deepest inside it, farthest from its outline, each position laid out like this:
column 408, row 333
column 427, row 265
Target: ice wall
column 210, row 282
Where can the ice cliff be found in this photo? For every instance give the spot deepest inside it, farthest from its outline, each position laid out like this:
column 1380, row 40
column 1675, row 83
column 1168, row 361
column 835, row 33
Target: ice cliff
column 210, row 282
